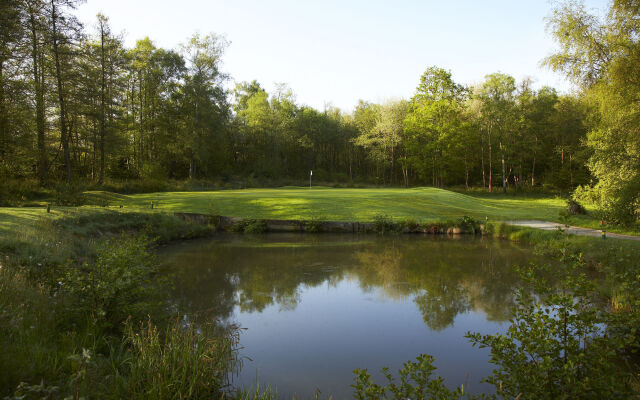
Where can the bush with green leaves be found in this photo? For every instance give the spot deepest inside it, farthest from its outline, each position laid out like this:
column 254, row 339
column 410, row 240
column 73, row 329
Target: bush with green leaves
column 575, row 208
column 313, row 225
column 410, row 224
column 468, row 224
column 558, row 345
column 250, row 226
column 19, row 192
column 121, row 283
column 68, row 194
column 416, row 381
column 384, row 224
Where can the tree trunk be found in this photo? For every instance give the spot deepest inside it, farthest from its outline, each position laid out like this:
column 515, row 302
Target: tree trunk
column 36, row 56
column 192, row 161
column 141, row 116
column 102, row 104
column 484, row 182
column 392, row 164
column 4, row 128
column 533, row 166
column 405, row 171
column 433, row 178
column 350, row 166
column 571, row 170
column 64, row 136
column 504, row 177
column 490, row 162
column 466, row 173
column 520, row 176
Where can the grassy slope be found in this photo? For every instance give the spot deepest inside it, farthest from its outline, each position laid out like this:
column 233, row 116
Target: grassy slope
column 427, row 204
column 421, row 204
column 31, row 235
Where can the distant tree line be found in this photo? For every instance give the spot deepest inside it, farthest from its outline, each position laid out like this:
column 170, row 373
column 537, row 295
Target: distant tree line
column 76, row 104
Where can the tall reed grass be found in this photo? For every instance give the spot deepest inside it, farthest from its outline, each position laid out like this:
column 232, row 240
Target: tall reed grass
column 182, row 361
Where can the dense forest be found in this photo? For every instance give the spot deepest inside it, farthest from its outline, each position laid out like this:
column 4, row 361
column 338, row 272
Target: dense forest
column 76, row 105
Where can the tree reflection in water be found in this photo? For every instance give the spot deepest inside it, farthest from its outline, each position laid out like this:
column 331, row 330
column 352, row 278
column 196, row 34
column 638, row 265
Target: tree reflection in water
column 443, row 276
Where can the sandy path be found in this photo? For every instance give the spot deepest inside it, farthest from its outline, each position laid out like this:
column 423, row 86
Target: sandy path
column 576, row 230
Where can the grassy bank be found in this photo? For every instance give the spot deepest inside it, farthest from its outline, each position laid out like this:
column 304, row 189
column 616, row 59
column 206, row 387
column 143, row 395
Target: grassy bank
column 429, row 204
column 341, row 204
column 75, row 293
column 596, row 251
column 344, row 204
column 83, row 312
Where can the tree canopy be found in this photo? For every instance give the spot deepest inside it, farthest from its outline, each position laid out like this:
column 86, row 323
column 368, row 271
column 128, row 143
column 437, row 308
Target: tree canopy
column 77, row 105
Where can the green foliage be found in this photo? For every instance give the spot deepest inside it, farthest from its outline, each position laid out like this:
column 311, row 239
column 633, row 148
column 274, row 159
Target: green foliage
column 63, row 303
column 313, row 225
column 27, row 326
column 410, row 224
column 434, row 124
column 600, row 54
column 184, row 360
column 19, row 192
column 300, row 203
column 255, row 226
column 469, row 224
column 250, row 226
column 68, row 195
column 121, row 283
column 498, row 229
column 139, row 186
column 383, row 224
column 415, row 382
column 557, row 346
column 24, row 391
column 255, row 392
column 575, row 208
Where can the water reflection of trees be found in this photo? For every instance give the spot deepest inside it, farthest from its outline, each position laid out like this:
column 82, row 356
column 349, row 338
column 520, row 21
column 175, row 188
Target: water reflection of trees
column 443, row 277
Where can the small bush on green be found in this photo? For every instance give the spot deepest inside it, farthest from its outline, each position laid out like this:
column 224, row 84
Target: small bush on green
column 256, row 226
column 383, row 224
column 238, row 226
column 313, row 225
column 499, row 229
column 250, row 226
column 468, row 224
column 410, row 224
column 68, row 194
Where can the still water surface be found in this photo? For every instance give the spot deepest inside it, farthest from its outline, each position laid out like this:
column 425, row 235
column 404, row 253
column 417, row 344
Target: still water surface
column 316, row 307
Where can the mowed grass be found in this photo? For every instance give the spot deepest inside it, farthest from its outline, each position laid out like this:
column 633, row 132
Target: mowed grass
column 321, row 203
column 423, row 204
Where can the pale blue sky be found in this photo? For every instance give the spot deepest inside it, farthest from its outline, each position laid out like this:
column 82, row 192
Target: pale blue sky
column 340, row 51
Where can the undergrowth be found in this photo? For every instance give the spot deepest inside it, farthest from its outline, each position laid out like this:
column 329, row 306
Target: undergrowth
column 83, row 313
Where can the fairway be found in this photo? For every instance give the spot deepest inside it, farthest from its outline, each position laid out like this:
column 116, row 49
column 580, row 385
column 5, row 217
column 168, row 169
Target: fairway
column 421, row 204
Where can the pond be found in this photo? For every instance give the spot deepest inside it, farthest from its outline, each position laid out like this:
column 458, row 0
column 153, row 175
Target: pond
column 316, row 307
